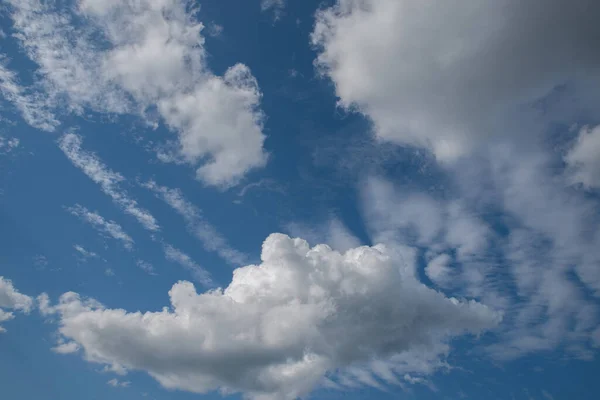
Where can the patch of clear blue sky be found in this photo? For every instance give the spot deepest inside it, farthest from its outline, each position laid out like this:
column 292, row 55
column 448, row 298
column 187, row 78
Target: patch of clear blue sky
column 318, row 154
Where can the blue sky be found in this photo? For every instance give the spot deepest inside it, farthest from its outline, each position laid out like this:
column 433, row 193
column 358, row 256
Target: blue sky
column 299, row 199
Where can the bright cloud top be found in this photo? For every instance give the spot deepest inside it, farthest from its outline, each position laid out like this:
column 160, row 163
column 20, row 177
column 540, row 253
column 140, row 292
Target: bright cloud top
column 445, row 76
column 151, row 63
column 279, row 327
column 583, row 159
column 12, row 299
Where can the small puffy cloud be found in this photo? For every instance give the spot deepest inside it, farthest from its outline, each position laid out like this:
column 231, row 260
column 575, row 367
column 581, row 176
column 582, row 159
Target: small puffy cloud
column 86, row 254
column 151, row 64
column 12, row 299
column 438, row 269
column 451, row 76
column 117, row 383
column 280, row 327
column 8, row 145
column 583, row 159
column 66, row 348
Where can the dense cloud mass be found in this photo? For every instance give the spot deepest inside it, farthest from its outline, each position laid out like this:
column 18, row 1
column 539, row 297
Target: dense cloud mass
column 151, row 63
column 280, row 326
column 12, row 299
column 582, row 159
column 445, row 76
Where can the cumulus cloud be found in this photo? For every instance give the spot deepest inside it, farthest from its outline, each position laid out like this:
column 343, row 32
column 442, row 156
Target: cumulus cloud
column 281, row 326
column 106, row 227
column 149, row 61
column 583, row 160
column 12, row 299
column 208, row 235
column 333, row 233
column 448, row 76
column 108, row 180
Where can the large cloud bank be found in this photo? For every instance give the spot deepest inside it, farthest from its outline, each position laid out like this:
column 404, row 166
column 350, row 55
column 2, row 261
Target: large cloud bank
column 280, row 327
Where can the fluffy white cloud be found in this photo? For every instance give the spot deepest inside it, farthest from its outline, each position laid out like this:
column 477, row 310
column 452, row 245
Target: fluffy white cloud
column 583, row 159
column 148, row 59
column 108, row 180
column 106, row 227
column 446, row 76
column 208, row 235
column 12, row 299
column 281, row 326
column 333, row 233
column 438, row 269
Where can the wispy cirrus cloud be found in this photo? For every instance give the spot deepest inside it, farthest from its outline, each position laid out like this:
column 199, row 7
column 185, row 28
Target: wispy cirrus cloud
column 197, row 225
column 31, row 105
column 200, row 275
column 106, row 227
column 108, row 180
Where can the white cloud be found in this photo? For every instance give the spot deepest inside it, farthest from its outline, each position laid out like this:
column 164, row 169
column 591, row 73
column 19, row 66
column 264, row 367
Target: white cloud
column 546, row 243
column 30, row 105
column 281, row 326
column 109, row 228
column 66, row 348
column 450, row 76
column 438, row 269
column 208, row 235
column 583, row 159
column 8, row 145
column 275, row 6
column 199, row 273
column 146, row 267
column 151, row 60
column 333, row 233
column 12, row 299
column 117, row 383
column 84, row 253
column 107, row 179
column 214, row 29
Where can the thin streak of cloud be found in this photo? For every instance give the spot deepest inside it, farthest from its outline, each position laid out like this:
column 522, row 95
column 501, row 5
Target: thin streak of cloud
column 105, row 227
column 107, row 179
column 208, row 235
